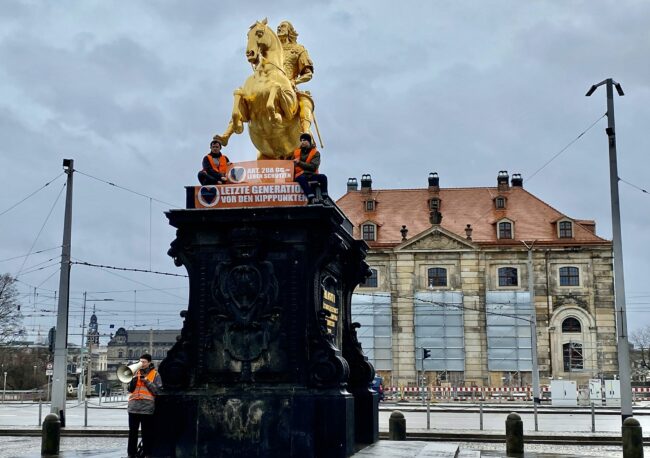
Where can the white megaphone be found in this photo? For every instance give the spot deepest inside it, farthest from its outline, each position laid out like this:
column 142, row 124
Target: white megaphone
column 125, row 373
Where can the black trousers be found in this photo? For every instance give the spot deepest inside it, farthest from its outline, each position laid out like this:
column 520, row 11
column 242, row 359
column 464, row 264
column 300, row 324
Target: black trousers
column 304, row 180
column 135, row 420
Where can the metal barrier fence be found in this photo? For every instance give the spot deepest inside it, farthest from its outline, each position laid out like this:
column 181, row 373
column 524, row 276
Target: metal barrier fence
column 482, row 393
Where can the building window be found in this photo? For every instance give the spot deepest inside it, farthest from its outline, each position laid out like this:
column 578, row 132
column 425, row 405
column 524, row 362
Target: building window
column 370, row 205
column 508, row 276
column 573, row 358
column 505, row 230
column 371, row 281
column 566, row 230
column 120, row 354
column 436, row 276
column 368, row 232
column 571, row 324
column 569, row 276
column 500, row 202
column 434, row 203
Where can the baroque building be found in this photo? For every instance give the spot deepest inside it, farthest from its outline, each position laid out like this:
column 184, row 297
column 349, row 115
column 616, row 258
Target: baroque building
column 126, row 346
column 451, row 273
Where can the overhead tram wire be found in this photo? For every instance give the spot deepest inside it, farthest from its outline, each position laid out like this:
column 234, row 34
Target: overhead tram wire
column 33, row 193
column 568, row 145
column 83, row 263
column 40, row 231
column 127, row 189
column 633, row 185
column 29, row 254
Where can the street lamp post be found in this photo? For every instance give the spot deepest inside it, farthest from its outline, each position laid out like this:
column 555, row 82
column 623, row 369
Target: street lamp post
column 4, row 388
column 619, row 285
column 35, row 384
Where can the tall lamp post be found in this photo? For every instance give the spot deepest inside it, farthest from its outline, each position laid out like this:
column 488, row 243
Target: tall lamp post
column 4, row 387
column 619, row 285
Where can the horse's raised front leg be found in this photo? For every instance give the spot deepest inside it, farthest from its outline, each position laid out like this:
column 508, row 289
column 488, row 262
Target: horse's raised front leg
column 274, row 116
column 239, row 116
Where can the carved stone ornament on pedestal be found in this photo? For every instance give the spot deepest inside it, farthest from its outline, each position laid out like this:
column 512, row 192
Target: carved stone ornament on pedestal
column 268, row 363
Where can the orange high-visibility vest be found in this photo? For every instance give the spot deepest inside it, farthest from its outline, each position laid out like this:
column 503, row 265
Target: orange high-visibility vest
column 223, row 164
column 141, row 391
column 296, row 155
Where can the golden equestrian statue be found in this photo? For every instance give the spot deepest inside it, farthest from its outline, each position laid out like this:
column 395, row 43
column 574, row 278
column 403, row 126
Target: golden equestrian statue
column 276, row 112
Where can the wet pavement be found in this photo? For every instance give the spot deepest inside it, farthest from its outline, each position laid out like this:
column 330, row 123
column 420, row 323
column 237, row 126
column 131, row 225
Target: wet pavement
column 109, row 447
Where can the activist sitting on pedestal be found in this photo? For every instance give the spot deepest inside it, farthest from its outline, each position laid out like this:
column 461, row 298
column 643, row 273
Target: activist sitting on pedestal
column 306, row 160
column 215, row 164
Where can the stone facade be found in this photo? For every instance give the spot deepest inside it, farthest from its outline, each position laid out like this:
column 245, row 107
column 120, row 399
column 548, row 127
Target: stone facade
column 572, row 282
column 126, row 346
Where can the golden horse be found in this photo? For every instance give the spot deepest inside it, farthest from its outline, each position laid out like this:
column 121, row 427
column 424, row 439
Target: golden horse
column 267, row 101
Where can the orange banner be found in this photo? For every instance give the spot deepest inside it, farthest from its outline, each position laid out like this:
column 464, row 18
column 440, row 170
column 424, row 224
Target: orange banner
column 268, row 171
column 254, row 195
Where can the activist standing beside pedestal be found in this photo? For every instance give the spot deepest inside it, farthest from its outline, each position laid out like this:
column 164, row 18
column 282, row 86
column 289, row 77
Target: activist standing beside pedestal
column 306, row 161
column 144, row 387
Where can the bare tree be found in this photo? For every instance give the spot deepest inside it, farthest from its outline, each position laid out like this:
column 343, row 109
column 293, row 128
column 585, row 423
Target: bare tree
column 10, row 316
column 641, row 339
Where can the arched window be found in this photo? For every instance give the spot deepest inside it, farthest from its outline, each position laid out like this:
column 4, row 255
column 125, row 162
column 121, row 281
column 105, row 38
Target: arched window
column 571, row 324
column 508, row 276
column 120, row 354
column 371, row 281
column 505, row 230
column 130, row 353
column 573, row 357
column 569, row 276
column 436, row 276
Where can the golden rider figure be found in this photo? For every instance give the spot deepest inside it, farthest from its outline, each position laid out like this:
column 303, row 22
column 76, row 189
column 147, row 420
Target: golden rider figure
column 299, row 68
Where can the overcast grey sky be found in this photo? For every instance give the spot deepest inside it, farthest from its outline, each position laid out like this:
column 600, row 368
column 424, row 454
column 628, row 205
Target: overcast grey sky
column 133, row 91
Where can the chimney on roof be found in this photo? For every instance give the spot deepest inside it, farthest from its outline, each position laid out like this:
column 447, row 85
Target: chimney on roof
column 468, row 231
column 352, row 184
column 517, row 181
column 434, row 182
column 366, row 182
column 502, row 180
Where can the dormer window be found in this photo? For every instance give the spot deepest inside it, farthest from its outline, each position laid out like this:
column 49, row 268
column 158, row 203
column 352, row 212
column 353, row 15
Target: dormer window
column 434, row 204
column 369, row 232
column 370, row 205
column 565, row 229
column 505, row 230
column 500, row 202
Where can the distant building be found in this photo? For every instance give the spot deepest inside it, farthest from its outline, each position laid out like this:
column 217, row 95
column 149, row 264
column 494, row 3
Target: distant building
column 126, row 347
column 450, row 274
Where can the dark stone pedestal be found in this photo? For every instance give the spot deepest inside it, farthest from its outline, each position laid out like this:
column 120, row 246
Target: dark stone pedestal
column 268, row 363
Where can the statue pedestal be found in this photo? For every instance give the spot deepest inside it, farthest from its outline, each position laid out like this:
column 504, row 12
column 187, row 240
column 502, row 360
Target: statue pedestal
column 268, row 363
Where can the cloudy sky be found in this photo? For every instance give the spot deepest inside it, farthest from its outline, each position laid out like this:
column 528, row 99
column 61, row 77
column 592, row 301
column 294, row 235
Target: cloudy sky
column 134, row 91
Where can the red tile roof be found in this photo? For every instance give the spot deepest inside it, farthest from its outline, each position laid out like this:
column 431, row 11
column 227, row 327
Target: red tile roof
column 533, row 219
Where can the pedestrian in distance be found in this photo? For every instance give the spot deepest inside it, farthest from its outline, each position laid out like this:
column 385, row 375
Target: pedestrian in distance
column 144, row 387
column 306, row 161
column 215, row 164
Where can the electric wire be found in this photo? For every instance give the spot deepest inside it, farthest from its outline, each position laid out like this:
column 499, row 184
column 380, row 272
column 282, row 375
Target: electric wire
column 633, row 185
column 126, row 189
column 40, row 230
column 28, row 254
column 83, row 263
column 566, row 147
column 33, row 193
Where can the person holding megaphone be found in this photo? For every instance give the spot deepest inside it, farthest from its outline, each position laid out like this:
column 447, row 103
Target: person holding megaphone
column 145, row 384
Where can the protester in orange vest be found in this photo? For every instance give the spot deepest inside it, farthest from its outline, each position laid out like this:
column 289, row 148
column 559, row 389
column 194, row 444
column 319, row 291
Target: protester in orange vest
column 144, row 387
column 306, row 160
column 215, row 164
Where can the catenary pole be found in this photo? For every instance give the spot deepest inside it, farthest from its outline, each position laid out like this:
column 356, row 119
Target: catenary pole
column 60, row 379
column 533, row 324
column 619, row 284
